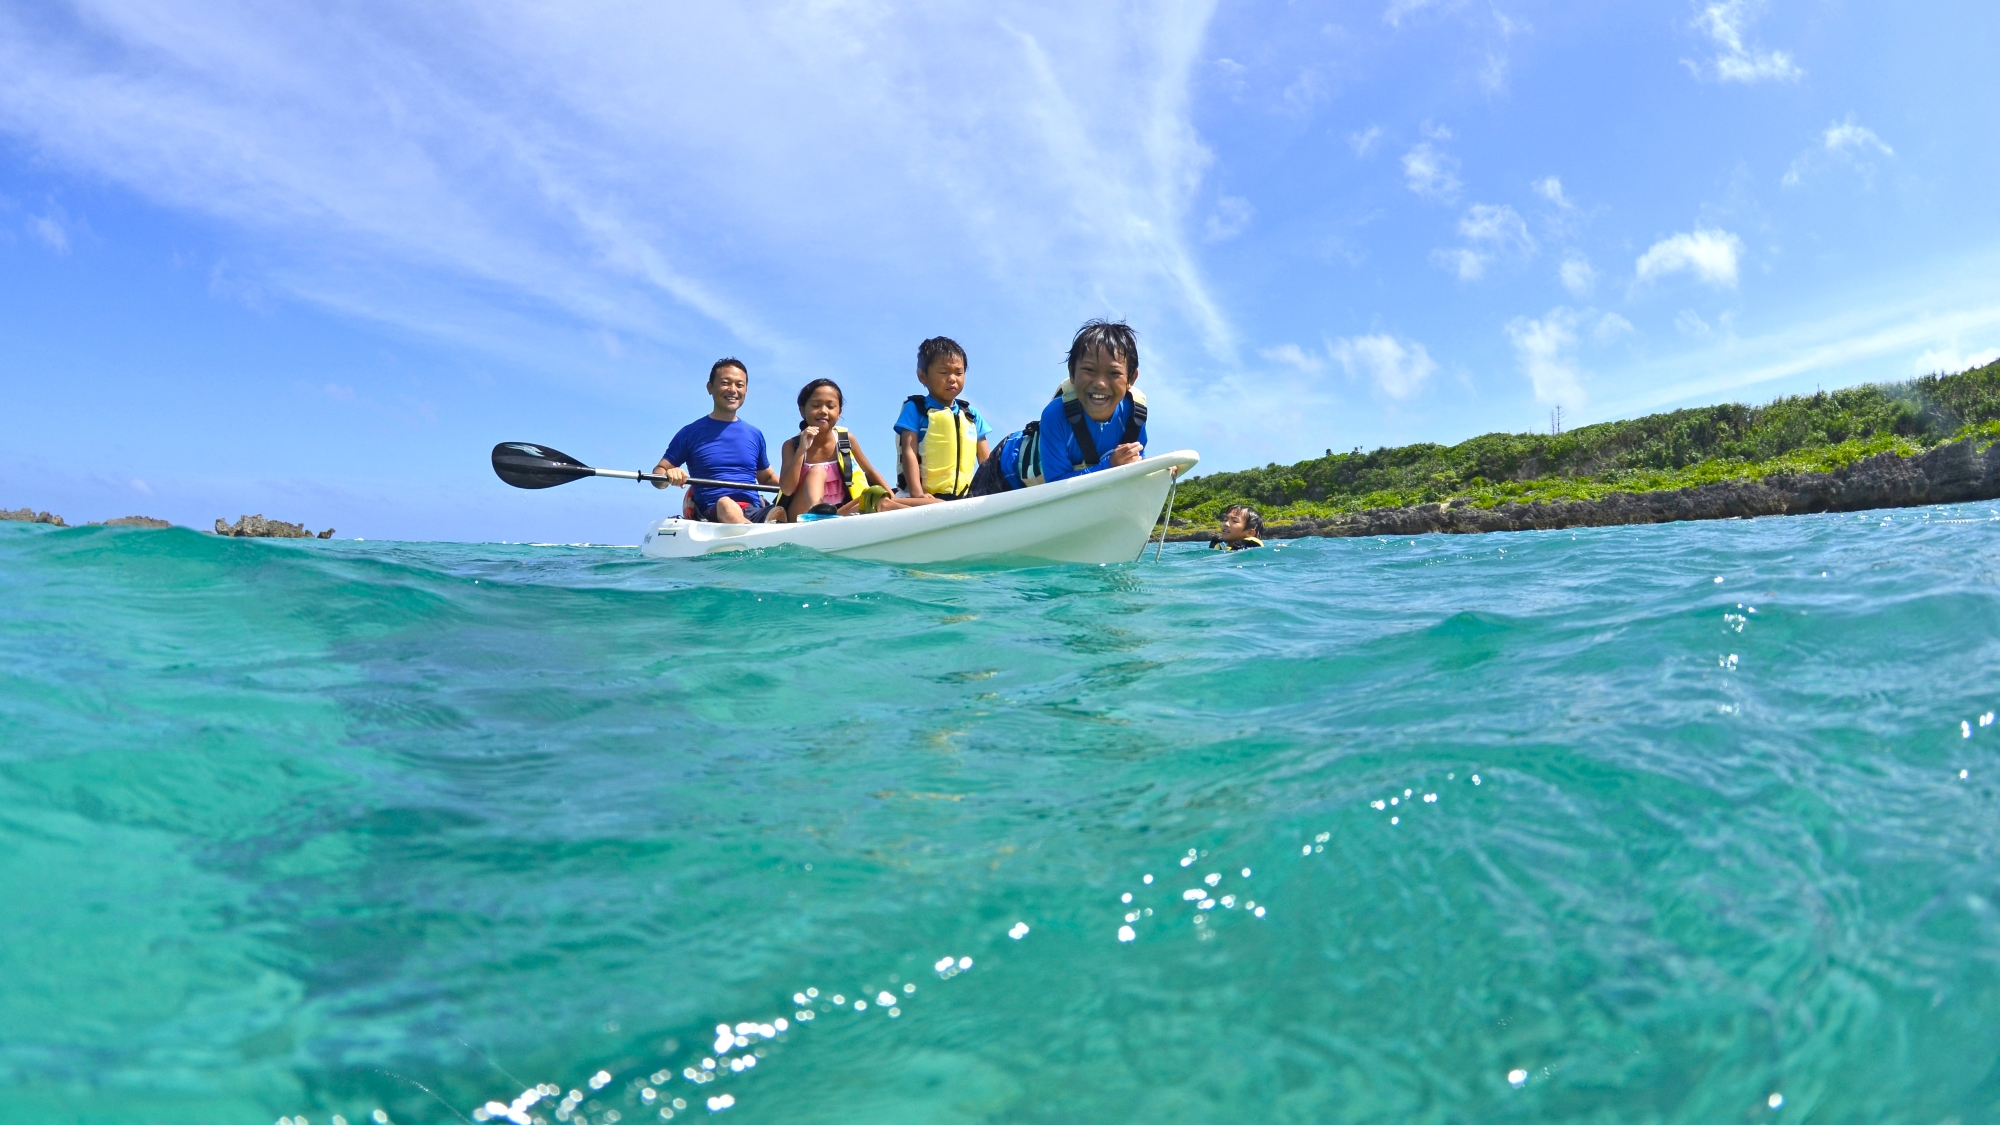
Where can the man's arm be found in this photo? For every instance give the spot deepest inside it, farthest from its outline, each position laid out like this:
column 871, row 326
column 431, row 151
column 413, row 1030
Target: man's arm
column 674, row 473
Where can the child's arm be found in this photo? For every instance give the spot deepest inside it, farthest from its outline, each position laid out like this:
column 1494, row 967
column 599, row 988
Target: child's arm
column 984, row 451
column 913, row 473
column 791, row 456
column 867, row 469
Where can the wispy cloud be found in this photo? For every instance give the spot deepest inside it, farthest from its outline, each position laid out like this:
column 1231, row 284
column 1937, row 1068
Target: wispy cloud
column 1431, row 174
column 1736, row 59
column 1230, row 218
column 1845, row 141
column 1577, row 275
column 1708, row 254
column 620, row 168
column 1494, row 230
column 1551, row 189
column 1363, row 141
column 1398, row 368
column 1497, row 225
column 1400, row 10
column 1546, row 351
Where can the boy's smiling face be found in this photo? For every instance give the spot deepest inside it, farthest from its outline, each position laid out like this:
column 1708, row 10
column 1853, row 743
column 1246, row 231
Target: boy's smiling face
column 1101, row 380
column 944, row 378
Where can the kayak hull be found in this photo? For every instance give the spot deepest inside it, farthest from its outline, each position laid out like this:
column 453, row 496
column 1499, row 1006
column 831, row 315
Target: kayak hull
column 1101, row 517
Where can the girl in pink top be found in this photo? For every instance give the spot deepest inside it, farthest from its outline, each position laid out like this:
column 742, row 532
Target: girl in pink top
column 816, row 469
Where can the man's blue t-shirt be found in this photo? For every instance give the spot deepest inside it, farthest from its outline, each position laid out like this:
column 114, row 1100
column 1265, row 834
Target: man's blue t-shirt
column 909, row 421
column 1059, row 450
column 720, row 451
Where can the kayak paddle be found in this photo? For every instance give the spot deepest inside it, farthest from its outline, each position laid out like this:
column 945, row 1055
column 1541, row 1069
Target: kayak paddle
column 526, row 465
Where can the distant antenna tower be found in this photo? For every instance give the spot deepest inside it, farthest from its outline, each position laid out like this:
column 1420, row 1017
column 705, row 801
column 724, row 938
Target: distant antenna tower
column 1556, row 420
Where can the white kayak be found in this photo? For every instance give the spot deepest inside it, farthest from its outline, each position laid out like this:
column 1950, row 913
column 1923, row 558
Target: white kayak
column 1101, row 517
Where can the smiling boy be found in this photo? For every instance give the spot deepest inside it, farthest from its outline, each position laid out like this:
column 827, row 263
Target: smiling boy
column 1096, row 421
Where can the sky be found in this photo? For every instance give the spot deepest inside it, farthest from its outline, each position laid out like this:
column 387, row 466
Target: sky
column 312, row 261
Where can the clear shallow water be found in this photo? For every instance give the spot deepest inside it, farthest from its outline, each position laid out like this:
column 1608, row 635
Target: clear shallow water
column 316, row 829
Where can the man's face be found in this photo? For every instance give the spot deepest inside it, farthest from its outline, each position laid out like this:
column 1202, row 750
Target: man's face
column 729, row 386
column 1101, row 381
column 944, row 378
column 1233, row 525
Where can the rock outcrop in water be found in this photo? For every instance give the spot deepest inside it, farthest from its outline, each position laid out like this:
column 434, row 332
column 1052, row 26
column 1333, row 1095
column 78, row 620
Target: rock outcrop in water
column 257, row 527
column 1949, row 474
column 135, row 521
column 29, row 515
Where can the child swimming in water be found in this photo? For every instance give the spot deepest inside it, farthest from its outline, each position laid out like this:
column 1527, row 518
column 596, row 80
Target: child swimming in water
column 824, row 472
column 1241, row 526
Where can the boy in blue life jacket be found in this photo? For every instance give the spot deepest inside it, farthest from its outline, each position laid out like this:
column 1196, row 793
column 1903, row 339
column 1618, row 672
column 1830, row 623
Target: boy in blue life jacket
column 722, row 446
column 1097, row 420
column 940, row 439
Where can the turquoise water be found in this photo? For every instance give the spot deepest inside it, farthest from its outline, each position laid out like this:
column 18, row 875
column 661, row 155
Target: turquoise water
column 296, row 830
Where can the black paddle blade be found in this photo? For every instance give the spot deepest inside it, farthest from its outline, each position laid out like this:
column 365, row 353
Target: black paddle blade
column 525, row 465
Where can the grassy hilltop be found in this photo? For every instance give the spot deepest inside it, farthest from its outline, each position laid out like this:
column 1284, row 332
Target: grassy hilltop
column 1680, row 449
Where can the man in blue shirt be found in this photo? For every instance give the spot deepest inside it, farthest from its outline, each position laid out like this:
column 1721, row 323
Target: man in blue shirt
column 1108, row 430
column 722, row 447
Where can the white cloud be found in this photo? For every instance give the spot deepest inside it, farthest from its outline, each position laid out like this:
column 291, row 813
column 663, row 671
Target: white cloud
column 1399, row 10
column 1735, row 61
column 1577, row 275
column 1493, row 75
column 1551, row 189
column 1846, row 141
column 1435, row 131
column 1230, row 218
column 1708, row 254
column 1363, row 141
column 1951, row 361
column 1846, row 136
column 1546, row 351
column 1610, row 326
column 142, row 487
column 512, row 163
column 49, row 228
column 1296, row 358
column 1397, row 367
column 1690, row 323
column 1469, row 265
column 1497, row 224
column 1431, row 174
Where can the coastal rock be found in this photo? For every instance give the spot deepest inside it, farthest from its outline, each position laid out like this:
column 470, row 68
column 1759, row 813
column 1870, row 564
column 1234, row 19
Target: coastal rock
column 257, row 527
column 29, row 515
column 1950, row 474
column 136, row 521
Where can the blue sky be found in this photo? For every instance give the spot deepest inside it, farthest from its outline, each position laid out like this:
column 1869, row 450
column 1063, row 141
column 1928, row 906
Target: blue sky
column 314, row 261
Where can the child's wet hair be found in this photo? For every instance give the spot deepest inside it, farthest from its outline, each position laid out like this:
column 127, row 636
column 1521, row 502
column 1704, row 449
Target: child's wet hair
column 1113, row 337
column 806, row 392
column 726, row 361
column 1252, row 522
column 937, row 348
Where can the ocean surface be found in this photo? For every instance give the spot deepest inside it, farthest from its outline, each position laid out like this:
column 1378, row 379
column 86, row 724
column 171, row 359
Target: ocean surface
column 1692, row 823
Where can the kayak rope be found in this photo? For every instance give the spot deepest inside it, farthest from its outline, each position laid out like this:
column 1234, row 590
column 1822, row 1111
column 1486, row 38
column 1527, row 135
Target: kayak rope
column 1166, row 520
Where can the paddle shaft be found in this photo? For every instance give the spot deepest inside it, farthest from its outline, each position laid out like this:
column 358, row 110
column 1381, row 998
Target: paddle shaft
column 627, row 474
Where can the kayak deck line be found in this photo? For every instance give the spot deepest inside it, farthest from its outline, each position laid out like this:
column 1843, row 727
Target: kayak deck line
column 1102, row 517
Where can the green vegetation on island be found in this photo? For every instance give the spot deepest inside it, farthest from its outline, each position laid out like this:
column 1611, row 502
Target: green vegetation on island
column 1680, row 449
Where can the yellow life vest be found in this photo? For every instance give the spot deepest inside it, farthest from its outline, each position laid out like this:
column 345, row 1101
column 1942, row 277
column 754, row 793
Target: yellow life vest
column 850, row 466
column 947, row 446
